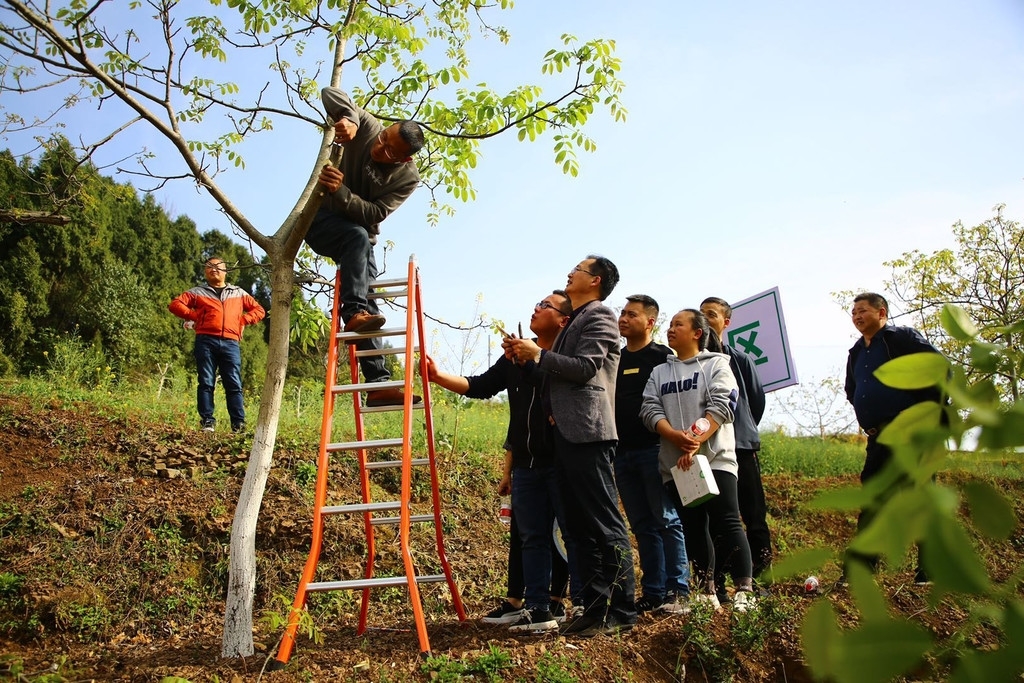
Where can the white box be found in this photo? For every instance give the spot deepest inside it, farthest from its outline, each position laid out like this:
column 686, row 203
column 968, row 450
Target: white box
column 696, row 484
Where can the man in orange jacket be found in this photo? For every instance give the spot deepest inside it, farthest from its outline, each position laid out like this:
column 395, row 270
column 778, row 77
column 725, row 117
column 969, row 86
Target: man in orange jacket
column 218, row 312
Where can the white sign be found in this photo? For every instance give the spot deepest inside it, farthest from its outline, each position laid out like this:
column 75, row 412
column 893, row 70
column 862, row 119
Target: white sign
column 758, row 329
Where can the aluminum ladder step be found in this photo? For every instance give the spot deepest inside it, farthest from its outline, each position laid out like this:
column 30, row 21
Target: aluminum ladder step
column 354, row 584
column 353, row 337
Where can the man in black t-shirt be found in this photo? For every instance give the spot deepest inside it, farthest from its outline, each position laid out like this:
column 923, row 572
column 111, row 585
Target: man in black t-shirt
column 651, row 515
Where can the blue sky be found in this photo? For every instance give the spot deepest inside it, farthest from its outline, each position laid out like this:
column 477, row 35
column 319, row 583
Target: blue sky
column 795, row 144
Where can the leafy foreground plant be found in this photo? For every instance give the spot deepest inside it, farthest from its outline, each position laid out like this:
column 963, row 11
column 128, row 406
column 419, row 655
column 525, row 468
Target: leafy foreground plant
column 913, row 509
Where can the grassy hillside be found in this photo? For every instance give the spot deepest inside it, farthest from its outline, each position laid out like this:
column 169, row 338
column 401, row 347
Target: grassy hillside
column 113, row 569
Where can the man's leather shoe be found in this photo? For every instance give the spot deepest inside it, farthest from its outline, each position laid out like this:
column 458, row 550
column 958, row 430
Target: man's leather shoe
column 388, row 397
column 364, row 321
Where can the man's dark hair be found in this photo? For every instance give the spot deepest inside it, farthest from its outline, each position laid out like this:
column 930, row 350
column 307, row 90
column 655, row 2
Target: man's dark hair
column 650, row 305
column 565, row 308
column 714, row 342
column 700, row 322
column 876, row 301
column 726, row 308
column 412, row 134
column 609, row 274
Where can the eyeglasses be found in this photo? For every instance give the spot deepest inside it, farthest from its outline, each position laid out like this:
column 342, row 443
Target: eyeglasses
column 547, row 304
column 584, row 270
column 388, row 154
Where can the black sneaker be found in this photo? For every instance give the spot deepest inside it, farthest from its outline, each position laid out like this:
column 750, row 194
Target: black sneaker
column 612, row 626
column 208, row 425
column 538, row 620
column 503, row 614
column 558, row 611
column 921, row 578
column 582, row 624
column 238, row 427
column 647, row 604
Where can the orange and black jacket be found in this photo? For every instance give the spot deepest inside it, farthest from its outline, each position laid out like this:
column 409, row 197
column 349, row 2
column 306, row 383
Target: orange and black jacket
column 218, row 315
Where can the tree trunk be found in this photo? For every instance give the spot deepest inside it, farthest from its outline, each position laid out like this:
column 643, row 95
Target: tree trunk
column 238, row 631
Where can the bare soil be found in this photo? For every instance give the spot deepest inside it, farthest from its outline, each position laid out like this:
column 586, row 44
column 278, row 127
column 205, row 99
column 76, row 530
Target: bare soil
column 123, row 572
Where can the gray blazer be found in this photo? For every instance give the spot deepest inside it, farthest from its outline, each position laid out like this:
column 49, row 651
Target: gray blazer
column 580, row 372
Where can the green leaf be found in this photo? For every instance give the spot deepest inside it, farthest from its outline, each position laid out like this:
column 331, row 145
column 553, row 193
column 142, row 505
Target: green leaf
column 919, row 417
column 819, row 638
column 1009, row 433
column 869, row 599
column 951, row 561
column 895, row 526
column 1004, row 664
column 985, row 357
column 880, row 651
column 914, row 371
column 800, row 563
column 958, row 323
column 843, row 498
column 991, row 513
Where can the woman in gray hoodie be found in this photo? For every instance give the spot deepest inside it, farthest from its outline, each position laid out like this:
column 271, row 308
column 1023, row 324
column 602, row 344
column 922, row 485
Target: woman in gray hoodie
column 698, row 383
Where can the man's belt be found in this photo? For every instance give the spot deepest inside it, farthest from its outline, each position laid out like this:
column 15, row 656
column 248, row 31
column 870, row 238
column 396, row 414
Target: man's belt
column 874, row 431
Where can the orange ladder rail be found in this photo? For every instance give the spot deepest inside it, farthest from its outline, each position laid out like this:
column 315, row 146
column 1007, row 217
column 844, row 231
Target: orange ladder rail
column 414, row 320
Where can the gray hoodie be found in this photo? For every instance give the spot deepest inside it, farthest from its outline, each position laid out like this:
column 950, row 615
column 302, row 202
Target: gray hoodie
column 681, row 391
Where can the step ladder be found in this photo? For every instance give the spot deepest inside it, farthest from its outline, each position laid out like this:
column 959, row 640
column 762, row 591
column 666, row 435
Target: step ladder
column 377, row 513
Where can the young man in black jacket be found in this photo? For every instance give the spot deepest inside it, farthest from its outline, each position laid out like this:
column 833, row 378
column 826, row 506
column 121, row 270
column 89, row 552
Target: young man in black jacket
column 536, row 498
column 749, row 411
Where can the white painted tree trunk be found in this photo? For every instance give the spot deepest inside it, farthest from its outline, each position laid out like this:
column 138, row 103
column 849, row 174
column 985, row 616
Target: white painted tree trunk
column 238, row 631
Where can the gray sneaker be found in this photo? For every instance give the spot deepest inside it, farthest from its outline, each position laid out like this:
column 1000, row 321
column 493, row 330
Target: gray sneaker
column 674, row 604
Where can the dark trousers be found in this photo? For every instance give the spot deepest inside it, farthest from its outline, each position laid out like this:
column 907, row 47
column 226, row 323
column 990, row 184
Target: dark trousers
column 516, row 582
column 877, row 456
column 753, row 509
column 536, row 504
column 714, row 533
column 604, row 555
column 348, row 245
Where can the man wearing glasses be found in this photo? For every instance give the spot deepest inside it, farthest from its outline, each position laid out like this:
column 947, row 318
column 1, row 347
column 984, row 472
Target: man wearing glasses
column 534, row 600
column 375, row 175
column 578, row 380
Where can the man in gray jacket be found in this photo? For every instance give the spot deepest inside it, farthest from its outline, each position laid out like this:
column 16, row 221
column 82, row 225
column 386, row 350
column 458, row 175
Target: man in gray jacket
column 375, row 175
column 578, row 388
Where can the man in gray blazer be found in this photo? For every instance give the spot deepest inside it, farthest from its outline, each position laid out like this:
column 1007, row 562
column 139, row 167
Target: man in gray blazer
column 578, row 380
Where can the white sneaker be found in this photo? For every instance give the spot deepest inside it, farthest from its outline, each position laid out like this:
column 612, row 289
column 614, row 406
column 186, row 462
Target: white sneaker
column 744, row 601
column 706, row 599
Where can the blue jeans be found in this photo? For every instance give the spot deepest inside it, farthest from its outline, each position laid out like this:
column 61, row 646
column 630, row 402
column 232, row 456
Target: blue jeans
column 654, row 521
column 215, row 354
column 536, row 503
column 348, row 245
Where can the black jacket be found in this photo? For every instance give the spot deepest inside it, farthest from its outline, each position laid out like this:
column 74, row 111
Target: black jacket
column 529, row 435
column 897, row 341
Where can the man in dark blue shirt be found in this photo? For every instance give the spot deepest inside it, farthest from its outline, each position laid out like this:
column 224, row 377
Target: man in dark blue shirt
column 876, row 404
